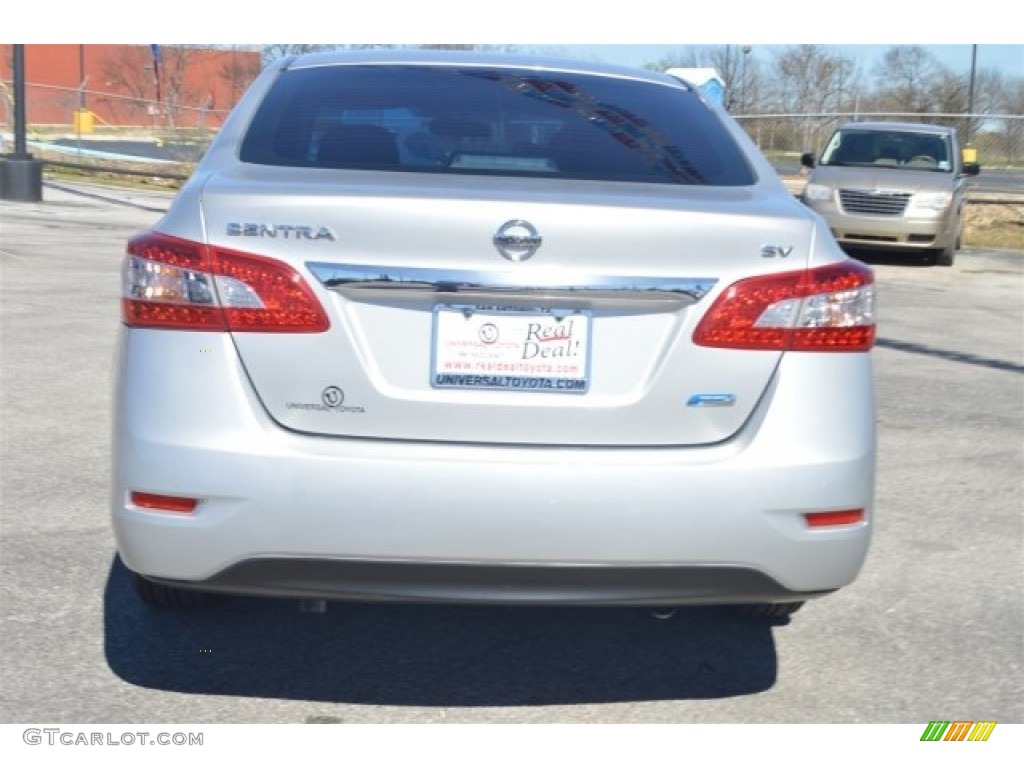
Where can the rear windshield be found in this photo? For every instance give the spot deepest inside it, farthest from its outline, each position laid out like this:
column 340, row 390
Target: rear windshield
column 893, row 149
column 488, row 121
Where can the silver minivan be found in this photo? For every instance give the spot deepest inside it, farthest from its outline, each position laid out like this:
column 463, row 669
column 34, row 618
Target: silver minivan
column 892, row 186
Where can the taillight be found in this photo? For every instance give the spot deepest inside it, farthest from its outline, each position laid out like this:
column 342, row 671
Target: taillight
column 827, row 309
column 174, row 283
column 164, row 503
column 830, row 519
column 167, row 284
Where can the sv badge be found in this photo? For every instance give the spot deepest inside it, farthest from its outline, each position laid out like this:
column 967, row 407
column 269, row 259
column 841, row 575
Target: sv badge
column 773, row 251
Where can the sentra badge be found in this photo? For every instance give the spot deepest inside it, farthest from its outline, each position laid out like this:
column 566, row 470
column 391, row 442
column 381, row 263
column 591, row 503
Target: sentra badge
column 283, row 231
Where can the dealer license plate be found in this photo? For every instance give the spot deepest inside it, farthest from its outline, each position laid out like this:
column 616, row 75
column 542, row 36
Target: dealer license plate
column 529, row 350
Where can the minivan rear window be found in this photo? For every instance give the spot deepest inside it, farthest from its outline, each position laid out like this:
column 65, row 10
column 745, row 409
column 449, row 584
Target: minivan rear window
column 492, row 121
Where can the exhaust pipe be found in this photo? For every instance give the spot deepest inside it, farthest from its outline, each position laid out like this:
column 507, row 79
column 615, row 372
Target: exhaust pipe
column 313, row 605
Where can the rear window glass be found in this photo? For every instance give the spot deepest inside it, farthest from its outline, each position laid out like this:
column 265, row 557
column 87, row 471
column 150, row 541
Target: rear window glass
column 503, row 122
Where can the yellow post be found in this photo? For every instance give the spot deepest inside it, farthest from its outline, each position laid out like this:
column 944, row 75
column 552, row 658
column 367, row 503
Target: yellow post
column 970, row 154
column 84, row 121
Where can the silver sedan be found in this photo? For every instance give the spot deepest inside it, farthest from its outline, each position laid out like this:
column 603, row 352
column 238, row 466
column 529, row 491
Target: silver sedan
column 470, row 328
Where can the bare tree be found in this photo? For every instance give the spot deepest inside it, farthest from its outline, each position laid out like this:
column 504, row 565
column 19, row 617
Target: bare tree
column 739, row 71
column 812, row 81
column 1009, row 100
column 685, row 56
column 274, row 51
column 238, row 72
column 174, row 76
column 132, row 70
column 947, row 95
column 809, row 79
column 909, row 77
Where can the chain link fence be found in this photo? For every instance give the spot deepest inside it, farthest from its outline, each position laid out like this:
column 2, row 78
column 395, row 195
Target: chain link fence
column 53, row 109
column 998, row 138
column 182, row 131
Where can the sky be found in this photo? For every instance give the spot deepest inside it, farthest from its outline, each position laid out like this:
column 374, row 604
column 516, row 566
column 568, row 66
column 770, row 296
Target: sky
column 630, row 33
column 1008, row 59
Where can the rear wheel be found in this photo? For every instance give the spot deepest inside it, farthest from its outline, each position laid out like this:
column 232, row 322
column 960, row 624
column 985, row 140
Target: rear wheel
column 770, row 610
column 162, row 596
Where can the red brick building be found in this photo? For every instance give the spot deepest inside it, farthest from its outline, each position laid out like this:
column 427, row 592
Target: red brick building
column 196, row 86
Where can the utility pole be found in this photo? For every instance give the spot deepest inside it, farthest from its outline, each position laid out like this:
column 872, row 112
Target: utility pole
column 21, row 175
column 970, row 94
column 81, row 76
column 20, row 145
column 744, row 101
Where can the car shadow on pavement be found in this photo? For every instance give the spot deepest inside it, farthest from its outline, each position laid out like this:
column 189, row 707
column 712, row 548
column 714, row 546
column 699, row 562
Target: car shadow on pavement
column 437, row 656
column 952, row 356
column 891, row 259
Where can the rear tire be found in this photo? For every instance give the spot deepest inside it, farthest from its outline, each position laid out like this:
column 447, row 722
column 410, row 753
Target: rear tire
column 770, row 610
column 167, row 598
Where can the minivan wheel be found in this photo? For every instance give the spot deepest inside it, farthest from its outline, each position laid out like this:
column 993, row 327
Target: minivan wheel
column 770, row 610
column 945, row 256
column 162, row 596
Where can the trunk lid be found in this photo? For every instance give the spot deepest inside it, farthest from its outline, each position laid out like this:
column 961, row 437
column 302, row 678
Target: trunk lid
column 436, row 336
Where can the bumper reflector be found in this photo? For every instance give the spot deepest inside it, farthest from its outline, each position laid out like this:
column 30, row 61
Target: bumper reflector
column 163, row 503
column 826, row 519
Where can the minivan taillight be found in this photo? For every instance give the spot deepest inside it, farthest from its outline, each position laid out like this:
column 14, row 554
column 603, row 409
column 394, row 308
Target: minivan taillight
column 826, row 309
column 169, row 282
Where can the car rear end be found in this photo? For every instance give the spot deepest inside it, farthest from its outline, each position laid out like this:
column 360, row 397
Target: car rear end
column 445, row 328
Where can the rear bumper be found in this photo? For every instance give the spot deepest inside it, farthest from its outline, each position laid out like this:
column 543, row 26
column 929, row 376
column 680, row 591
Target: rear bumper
column 286, row 513
column 496, row 584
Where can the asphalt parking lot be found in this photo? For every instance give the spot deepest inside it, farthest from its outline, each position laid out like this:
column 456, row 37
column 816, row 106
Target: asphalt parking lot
column 931, row 630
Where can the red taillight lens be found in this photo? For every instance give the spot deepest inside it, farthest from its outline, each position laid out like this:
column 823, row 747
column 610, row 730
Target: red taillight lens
column 163, row 503
column 827, row 519
column 828, row 309
column 175, row 283
column 261, row 294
